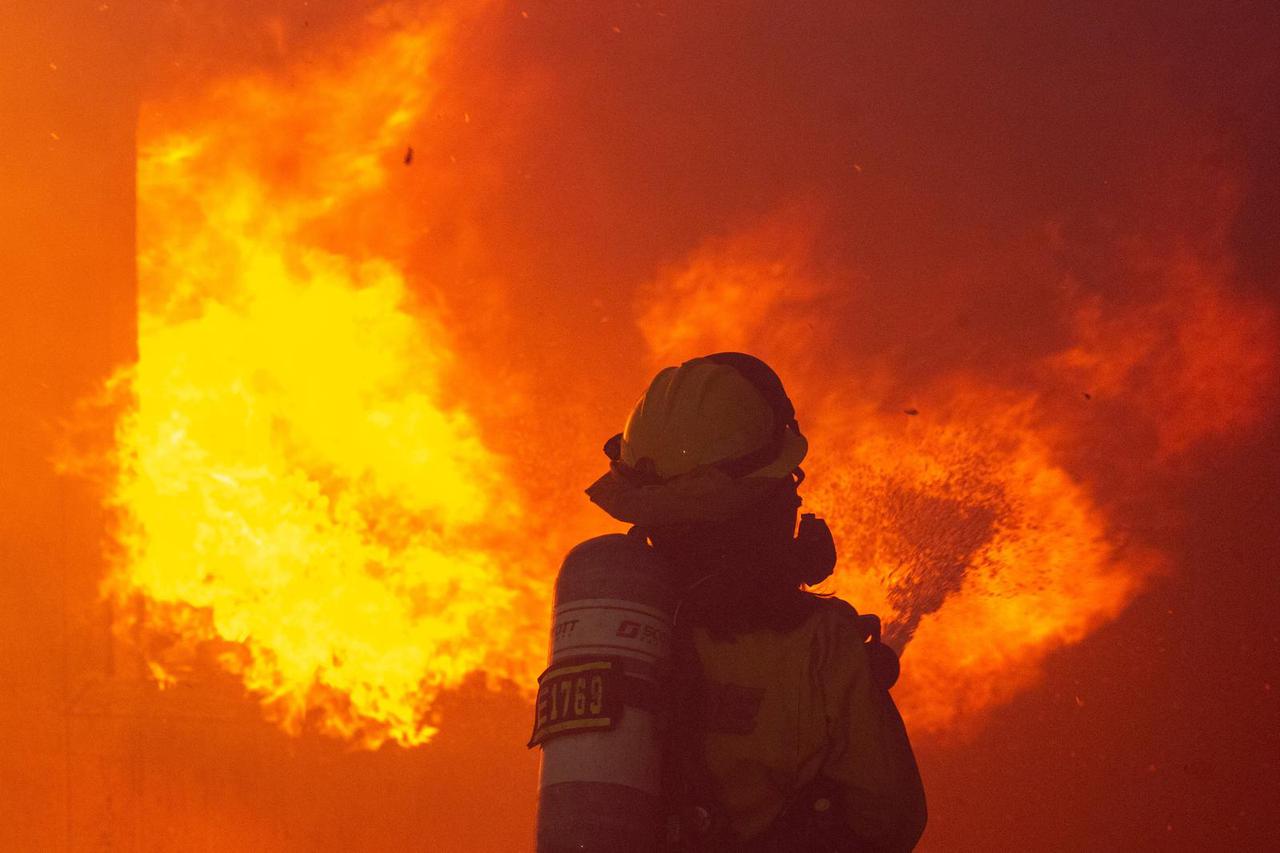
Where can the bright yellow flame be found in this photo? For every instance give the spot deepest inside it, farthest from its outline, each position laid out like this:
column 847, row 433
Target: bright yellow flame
column 292, row 477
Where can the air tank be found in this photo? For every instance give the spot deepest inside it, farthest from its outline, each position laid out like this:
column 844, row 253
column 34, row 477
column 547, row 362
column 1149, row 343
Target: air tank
column 598, row 716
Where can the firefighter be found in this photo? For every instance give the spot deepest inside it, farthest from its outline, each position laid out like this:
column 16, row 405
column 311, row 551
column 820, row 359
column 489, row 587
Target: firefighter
column 782, row 734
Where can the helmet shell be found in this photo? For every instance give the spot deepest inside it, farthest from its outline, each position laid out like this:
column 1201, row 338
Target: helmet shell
column 702, row 413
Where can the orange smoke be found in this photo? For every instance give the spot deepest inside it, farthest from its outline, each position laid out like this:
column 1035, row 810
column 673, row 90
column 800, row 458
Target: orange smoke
column 1194, row 357
column 308, row 497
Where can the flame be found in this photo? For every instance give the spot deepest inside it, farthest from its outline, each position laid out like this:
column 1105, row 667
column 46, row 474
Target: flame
column 307, row 495
column 293, row 478
column 752, row 285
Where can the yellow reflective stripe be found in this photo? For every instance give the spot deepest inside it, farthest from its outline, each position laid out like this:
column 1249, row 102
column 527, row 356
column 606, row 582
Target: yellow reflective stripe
column 570, row 725
column 570, row 670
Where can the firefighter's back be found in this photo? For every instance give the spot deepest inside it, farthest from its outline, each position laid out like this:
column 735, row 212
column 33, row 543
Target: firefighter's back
column 793, row 722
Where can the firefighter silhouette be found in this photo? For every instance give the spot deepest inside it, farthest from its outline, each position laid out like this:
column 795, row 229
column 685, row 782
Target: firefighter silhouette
column 699, row 697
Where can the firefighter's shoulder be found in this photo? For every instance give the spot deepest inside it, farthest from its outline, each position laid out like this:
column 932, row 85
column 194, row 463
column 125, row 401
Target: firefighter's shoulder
column 838, row 631
column 836, row 614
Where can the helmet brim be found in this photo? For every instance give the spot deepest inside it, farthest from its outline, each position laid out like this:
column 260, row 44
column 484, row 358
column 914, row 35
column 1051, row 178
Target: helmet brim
column 795, row 447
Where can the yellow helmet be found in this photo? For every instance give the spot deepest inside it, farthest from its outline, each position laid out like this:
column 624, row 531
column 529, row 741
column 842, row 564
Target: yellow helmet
column 726, row 410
